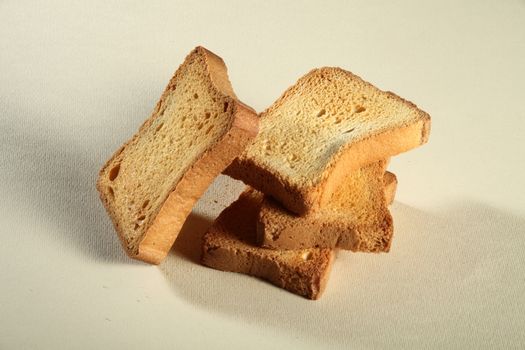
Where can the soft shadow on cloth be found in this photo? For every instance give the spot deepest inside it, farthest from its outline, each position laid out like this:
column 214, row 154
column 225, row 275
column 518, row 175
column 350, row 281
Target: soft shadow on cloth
column 188, row 243
column 54, row 175
column 447, row 270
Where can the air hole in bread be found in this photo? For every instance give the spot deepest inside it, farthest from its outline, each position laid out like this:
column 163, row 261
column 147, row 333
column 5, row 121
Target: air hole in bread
column 349, row 131
column 141, row 218
column 145, row 204
column 225, row 106
column 306, row 256
column 209, row 129
column 293, row 157
column 111, row 192
column 113, row 173
column 195, row 96
column 136, row 226
column 207, row 115
column 359, row 109
column 159, row 127
column 199, row 126
column 321, row 113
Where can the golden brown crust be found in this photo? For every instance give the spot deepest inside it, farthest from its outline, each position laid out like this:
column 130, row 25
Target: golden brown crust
column 369, row 150
column 267, row 182
column 229, row 245
column 161, row 234
column 164, row 230
column 334, row 226
column 302, row 199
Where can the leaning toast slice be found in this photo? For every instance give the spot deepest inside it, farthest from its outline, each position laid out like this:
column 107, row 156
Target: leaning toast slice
column 197, row 128
column 229, row 245
column 356, row 218
column 328, row 124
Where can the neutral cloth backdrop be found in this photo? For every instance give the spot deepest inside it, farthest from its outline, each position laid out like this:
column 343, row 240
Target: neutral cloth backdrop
column 78, row 78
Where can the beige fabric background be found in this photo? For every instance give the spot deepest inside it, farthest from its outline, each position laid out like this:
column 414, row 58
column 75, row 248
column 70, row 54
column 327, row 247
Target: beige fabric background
column 78, row 78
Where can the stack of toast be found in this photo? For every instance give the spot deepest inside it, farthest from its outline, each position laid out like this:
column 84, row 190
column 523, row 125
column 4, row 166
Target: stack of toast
column 315, row 165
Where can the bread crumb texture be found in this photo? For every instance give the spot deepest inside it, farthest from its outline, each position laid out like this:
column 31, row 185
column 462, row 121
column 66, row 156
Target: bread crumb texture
column 325, row 110
column 190, row 117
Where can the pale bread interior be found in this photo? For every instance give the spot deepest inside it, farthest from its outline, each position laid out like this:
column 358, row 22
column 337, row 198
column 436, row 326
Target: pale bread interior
column 325, row 111
column 190, row 118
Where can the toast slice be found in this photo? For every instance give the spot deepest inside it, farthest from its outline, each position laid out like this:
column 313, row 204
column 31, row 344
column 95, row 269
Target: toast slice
column 151, row 183
column 328, row 124
column 356, row 218
column 229, row 245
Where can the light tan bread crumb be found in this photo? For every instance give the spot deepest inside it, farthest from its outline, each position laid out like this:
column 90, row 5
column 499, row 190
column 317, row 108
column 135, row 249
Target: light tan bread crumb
column 328, row 124
column 197, row 128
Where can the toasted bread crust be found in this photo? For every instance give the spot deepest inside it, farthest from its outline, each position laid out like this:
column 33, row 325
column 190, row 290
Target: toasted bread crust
column 164, row 230
column 229, row 245
column 303, row 198
column 160, row 236
column 341, row 224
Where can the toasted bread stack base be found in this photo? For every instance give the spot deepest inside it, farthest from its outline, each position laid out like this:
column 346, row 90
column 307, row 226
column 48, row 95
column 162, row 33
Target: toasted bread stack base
column 230, row 244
